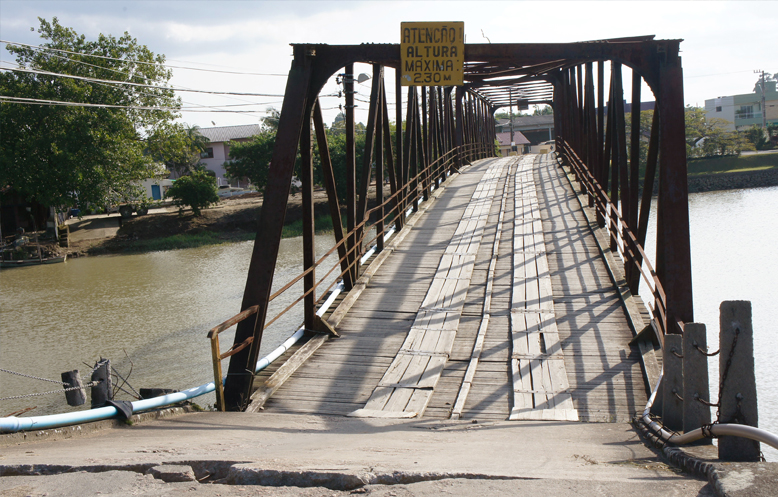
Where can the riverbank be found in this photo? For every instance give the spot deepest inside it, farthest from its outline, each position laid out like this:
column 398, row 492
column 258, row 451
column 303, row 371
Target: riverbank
column 233, row 219
column 733, row 172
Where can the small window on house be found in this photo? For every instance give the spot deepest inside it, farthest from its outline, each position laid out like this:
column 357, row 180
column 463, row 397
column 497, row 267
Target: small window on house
column 718, row 108
column 207, row 154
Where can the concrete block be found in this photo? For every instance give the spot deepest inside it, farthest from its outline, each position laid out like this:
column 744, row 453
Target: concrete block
column 738, row 393
column 695, row 378
column 672, row 406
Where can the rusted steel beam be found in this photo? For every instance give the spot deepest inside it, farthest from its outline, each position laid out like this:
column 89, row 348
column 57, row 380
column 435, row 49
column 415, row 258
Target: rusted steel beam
column 332, row 192
column 379, row 166
column 351, row 173
column 621, row 125
column 400, row 147
column 600, row 128
column 413, row 147
column 648, row 189
column 309, row 250
column 460, row 118
column 367, row 156
column 673, row 247
column 390, row 163
column 634, row 157
column 590, row 126
column 259, row 280
column 615, row 159
column 425, row 141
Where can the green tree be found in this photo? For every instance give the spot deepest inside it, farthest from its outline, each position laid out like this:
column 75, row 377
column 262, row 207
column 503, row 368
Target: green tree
column 710, row 137
column 74, row 155
column 198, row 190
column 251, row 159
column 545, row 111
column 177, row 146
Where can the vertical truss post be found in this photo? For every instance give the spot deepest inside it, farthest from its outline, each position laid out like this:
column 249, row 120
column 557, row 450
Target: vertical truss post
column 591, row 126
column 295, row 109
column 390, row 164
column 309, row 251
column 600, row 130
column 425, row 140
column 399, row 145
column 648, row 189
column 379, row 167
column 332, row 193
column 460, row 130
column 673, row 248
column 615, row 159
column 351, row 174
column 626, row 202
column 367, row 157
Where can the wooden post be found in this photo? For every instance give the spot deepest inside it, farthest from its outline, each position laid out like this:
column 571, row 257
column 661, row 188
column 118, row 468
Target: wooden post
column 103, row 390
column 73, row 379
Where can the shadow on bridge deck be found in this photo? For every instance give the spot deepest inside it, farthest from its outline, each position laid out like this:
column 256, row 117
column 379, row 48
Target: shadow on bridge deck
column 603, row 371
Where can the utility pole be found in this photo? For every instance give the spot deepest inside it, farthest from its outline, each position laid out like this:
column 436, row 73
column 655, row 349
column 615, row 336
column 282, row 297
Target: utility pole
column 510, row 113
column 764, row 110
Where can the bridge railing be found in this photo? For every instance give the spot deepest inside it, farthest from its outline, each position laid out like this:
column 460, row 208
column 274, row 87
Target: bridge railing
column 622, row 235
column 353, row 249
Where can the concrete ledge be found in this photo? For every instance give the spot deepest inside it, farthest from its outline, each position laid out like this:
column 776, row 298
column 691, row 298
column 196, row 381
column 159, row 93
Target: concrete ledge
column 77, row 431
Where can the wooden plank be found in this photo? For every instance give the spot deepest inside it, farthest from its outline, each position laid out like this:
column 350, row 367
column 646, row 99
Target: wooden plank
column 260, row 396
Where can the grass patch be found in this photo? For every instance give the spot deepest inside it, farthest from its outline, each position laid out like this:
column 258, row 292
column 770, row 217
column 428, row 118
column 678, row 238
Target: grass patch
column 322, row 224
column 732, row 163
column 182, row 241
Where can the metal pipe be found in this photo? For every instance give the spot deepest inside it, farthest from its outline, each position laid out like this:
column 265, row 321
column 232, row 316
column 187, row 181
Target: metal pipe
column 716, row 430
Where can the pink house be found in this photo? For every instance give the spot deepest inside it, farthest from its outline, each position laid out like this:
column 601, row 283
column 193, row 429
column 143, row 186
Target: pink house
column 218, row 150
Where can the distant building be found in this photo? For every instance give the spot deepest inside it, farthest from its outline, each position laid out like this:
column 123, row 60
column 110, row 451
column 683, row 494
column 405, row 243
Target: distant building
column 745, row 110
column 521, row 141
column 217, row 151
column 536, row 129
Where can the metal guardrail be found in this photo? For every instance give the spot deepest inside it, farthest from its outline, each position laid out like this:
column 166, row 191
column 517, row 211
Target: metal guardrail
column 392, row 209
column 630, row 250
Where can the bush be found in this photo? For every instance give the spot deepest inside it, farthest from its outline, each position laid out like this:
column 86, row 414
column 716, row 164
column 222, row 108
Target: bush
column 197, row 190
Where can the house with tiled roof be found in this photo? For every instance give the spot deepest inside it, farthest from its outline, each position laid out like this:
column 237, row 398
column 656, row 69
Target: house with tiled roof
column 218, row 149
column 520, row 141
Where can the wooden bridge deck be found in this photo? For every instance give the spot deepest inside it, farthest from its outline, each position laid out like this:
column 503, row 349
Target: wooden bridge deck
column 601, row 374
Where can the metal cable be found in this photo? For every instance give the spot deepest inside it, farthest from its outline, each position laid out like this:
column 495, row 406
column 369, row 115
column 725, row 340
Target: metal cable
column 50, row 392
column 33, row 377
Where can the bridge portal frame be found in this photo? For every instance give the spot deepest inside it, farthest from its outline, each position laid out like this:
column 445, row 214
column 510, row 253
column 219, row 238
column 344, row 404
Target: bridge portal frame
column 439, row 126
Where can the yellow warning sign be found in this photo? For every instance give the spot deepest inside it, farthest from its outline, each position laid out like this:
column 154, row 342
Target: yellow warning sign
column 432, row 53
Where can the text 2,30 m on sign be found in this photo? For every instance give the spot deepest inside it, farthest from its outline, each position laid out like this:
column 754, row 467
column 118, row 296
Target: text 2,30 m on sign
column 432, row 53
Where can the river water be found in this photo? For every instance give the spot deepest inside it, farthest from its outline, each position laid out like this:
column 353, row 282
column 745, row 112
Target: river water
column 734, row 238
column 149, row 313
column 157, row 307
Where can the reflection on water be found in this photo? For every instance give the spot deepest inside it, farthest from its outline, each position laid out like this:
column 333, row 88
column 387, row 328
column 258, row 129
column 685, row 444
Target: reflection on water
column 734, row 235
column 146, row 312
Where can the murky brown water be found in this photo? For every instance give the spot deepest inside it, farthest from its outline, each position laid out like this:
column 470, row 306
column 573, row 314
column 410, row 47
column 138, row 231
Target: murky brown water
column 156, row 307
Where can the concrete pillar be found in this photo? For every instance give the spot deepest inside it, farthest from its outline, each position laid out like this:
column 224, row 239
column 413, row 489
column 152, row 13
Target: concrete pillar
column 737, row 380
column 695, row 379
column 672, row 406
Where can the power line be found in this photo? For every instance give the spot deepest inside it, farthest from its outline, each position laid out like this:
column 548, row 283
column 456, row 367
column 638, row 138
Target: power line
column 38, row 47
column 37, row 101
column 140, row 85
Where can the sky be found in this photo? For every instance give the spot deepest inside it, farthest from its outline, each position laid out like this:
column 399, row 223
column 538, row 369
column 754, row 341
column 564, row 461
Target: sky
column 724, row 41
